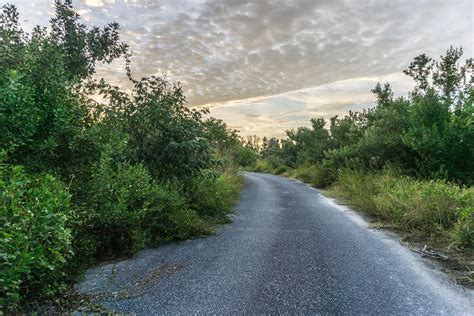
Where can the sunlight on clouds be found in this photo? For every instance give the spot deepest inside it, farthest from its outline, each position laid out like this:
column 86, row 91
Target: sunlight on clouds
column 272, row 115
column 266, row 67
column 94, row 3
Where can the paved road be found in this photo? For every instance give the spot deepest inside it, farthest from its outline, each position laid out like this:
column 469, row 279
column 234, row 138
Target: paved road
column 289, row 250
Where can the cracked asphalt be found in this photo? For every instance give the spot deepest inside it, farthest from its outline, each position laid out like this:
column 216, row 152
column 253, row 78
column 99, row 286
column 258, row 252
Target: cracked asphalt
column 289, row 250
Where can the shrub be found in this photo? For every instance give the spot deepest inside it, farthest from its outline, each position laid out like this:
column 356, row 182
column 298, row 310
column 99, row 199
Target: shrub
column 43, row 116
column 324, row 174
column 304, row 172
column 119, row 199
column 320, row 175
column 34, row 240
column 280, row 169
column 164, row 134
column 127, row 210
column 213, row 196
column 262, row 165
column 244, row 156
column 391, row 201
column 433, row 205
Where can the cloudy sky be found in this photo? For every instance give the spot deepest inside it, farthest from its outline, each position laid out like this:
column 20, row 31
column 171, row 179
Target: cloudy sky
column 265, row 66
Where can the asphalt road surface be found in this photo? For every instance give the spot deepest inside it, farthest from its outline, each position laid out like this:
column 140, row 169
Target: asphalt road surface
column 289, row 250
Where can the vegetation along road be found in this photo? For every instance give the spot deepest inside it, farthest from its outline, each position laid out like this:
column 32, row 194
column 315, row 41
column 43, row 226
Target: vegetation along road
column 288, row 250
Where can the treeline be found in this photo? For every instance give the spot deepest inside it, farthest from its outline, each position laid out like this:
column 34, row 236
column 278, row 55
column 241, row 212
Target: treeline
column 83, row 180
column 409, row 160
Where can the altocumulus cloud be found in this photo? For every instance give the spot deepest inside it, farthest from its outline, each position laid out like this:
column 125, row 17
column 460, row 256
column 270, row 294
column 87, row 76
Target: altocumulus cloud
column 265, row 66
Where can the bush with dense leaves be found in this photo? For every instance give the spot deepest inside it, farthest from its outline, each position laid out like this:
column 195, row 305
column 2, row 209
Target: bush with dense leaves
column 212, row 195
column 133, row 162
column 127, row 210
column 34, row 239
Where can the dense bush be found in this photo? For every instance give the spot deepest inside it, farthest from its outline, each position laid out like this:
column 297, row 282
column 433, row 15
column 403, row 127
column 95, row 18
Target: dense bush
column 213, row 195
column 34, row 239
column 244, row 156
column 134, row 163
column 262, row 165
column 43, row 116
column 164, row 134
column 127, row 210
column 304, row 172
column 319, row 175
column 324, row 175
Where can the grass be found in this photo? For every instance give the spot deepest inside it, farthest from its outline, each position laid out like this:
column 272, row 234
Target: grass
column 432, row 208
column 320, row 175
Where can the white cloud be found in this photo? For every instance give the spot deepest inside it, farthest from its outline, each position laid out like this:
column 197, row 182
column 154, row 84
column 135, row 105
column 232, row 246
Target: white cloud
column 94, row 3
column 267, row 53
column 272, row 115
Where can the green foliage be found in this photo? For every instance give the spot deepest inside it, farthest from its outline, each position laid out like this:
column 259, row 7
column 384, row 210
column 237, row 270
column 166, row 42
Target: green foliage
column 120, row 197
column 164, row 134
column 351, row 183
column 304, row 173
column 262, row 165
column 244, row 156
column 34, row 239
column 17, row 106
column 83, row 48
column 464, row 229
column 43, row 116
column 428, row 135
column 133, row 162
column 310, row 143
column 212, row 196
column 280, row 169
column 229, row 148
column 407, row 160
column 127, row 210
column 324, row 175
column 434, row 207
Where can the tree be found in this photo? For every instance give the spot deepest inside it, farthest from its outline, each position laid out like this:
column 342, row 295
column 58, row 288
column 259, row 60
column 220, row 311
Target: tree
column 420, row 70
column 43, row 116
column 384, row 94
column 83, row 48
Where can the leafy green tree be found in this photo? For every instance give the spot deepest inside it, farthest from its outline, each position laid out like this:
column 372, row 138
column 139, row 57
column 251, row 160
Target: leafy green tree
column 164, row 134
column 311, row 142
column 44, row 117
column 383, row 94
column 83, row 48
column 345, row 131
column 420, row 70
column 442, row 143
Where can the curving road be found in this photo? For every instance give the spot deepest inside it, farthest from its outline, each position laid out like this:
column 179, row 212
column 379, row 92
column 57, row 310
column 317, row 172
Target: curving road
column 288, row 250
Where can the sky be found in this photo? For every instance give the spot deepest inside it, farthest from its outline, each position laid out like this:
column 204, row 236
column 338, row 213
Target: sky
column 265, row 66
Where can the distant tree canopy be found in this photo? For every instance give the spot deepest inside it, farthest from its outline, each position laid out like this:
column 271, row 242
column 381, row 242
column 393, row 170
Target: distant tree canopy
column 430, row 134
